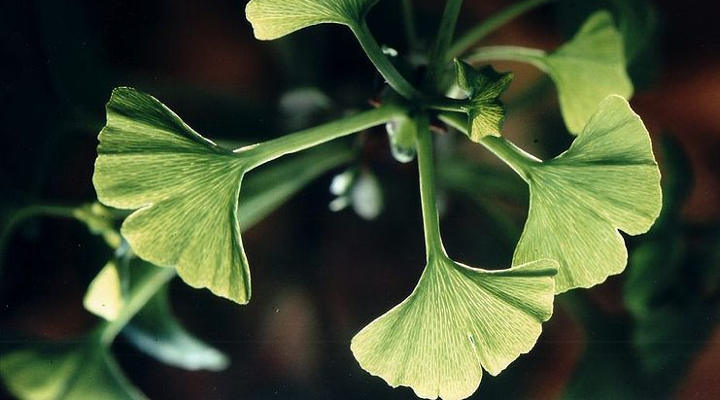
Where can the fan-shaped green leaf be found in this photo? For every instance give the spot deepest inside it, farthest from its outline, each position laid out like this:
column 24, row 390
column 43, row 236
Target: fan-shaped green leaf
column 456, row 322
column 485, row 111
column 607, row 180
column 185, row 187
column 587, row 69
column 73, row 370
column 272, row 19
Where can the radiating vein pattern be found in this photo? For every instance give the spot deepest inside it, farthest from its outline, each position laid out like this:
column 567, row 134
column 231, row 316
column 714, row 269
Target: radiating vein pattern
column 185, row 187
column 588, row 68
column 456, row 322
column 607, row 180
column 272, row 19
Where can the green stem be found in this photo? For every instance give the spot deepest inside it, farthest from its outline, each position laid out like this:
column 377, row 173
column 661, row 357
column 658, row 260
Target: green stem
column 510, row 53
column 447, row 104
column 383, row 63
column 493, row 22
column 516, row 158
column 24, row 213
column 439, row 55
column 151, row 284
column 428, row 198
column 409, row 23
column 261, row 153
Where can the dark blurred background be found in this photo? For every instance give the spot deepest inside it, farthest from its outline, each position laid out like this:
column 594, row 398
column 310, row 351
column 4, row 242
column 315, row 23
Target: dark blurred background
column 318, row 276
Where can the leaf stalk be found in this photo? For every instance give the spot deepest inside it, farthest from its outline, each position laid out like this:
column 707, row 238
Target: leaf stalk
column 467, row 40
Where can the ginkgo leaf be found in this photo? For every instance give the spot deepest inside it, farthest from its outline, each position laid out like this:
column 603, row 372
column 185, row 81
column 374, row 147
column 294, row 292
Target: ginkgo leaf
column 156, row 332
column 585, row 70
column 185, row 188
column 607, row 180
column 272, row 19
column 73, row 370
column 456, row 322
column 104, row 296
column 589, row 68
column 486, row 113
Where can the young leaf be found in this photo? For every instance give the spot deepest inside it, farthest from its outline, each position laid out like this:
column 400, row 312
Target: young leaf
column 104, row 296
column 272, row 19
column 585, row 70
column 607, row 180
column 157, row 333
column 185, row 187
column 456, row 322
column 82, row 370
column 486, row 113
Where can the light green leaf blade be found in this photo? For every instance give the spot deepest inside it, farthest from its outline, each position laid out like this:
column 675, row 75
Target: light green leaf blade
column 606, row 181
column 587, row 69
column 185, row 187
column 80, row 370
column 486, row 114
column 156, row 332
column 104, row 296
column 456, row 322
column 272, row 19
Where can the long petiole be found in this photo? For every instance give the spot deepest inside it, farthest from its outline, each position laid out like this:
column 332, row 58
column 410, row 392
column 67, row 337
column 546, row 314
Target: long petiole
column 261, row 153
column 431, row 223
column 408, row 14
column 466, row 41
column 383, row 64
column 447, row 104
column 508, row 53
column 516, row 158
column 439, row 55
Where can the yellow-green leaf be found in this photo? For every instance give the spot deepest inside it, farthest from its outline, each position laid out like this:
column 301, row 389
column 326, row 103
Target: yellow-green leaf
column 272, row 19
column 589, row 68
column 456, row 322
column 185, row 189
column 606, row 181
column 486, row 114
column 104, row 296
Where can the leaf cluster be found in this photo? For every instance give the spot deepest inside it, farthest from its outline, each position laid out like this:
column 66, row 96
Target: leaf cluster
column 189, row 202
